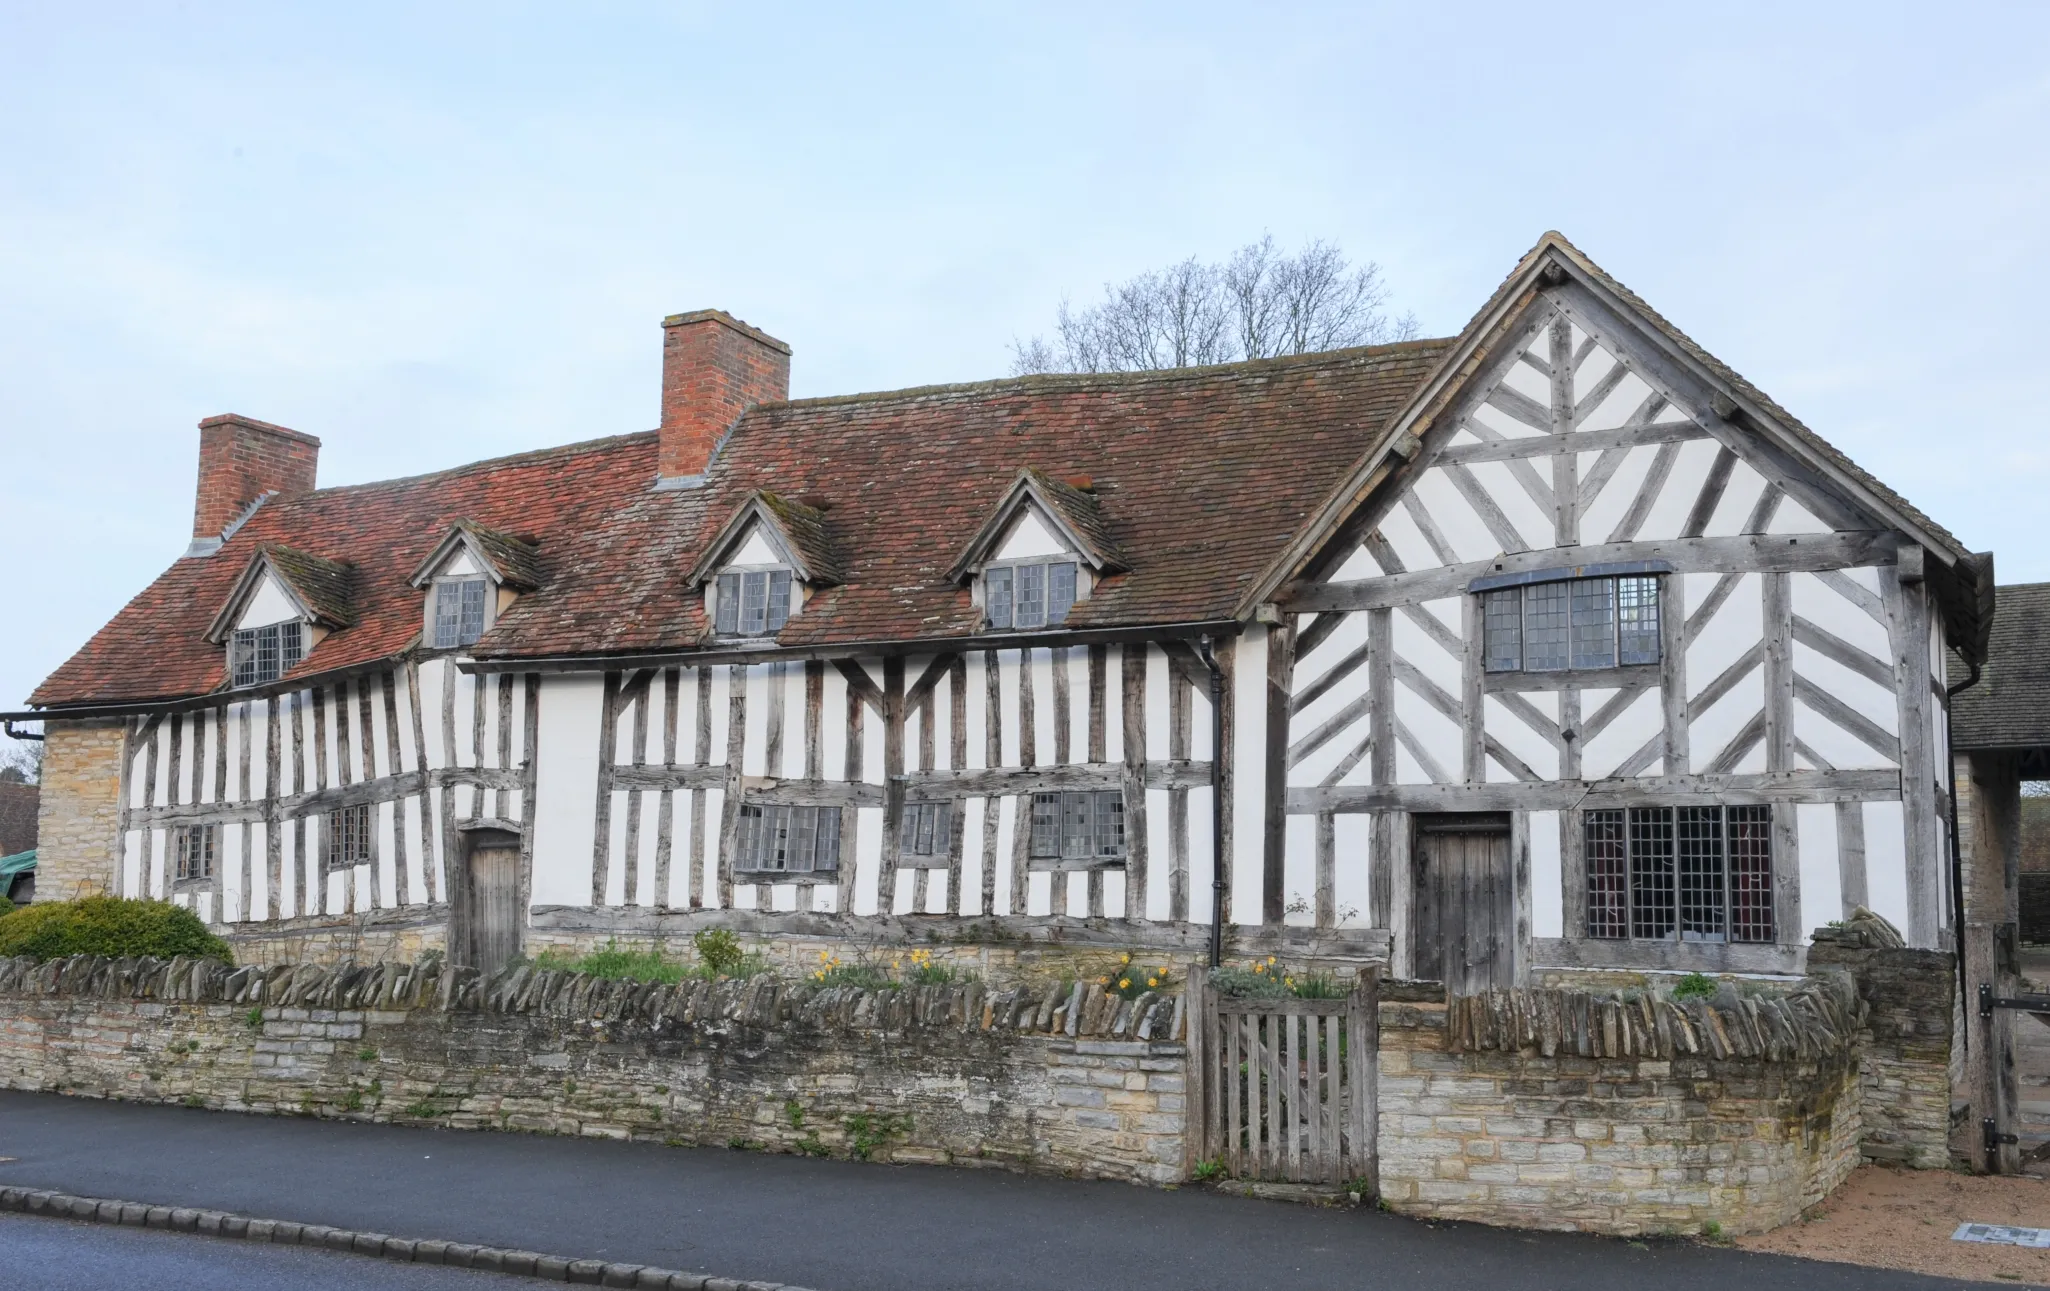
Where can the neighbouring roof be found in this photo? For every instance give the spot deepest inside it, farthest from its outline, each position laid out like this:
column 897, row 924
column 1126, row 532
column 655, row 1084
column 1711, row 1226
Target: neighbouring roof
column 2010, row 707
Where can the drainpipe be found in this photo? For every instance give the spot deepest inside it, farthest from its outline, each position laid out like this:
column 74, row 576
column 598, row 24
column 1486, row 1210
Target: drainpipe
column 1209, row 657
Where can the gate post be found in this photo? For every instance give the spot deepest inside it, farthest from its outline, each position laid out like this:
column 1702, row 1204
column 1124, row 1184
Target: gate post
column 1196, row 1035
column 1363, row 1043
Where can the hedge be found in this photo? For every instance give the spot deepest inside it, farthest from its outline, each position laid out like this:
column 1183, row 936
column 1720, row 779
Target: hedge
column 107, row 926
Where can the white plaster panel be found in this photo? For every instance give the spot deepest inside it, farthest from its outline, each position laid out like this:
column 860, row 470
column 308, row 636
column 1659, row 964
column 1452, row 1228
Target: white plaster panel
column 1348, row 636
column 1504, row 425
column 1641, row 721
column 1030, row 536
column 1715, row 728
column 1454, row 516
column 977, row 702
column 1823, row 606
column 869, row 853
column 1434, row 732
column 1547, row 876
column 1792, row 517
column 270, row 604
column 755, row 550
column 1855, row 690
column 1736, row 627
column 1151, row 904
column 1682, row 486
column 1249, row 778
column 1517, row 737
column 1739, row 496
column 1159, row 676
column 1360, row 564
column 1417, row 647
column 1352, row 852
column 1008, row 673
column 1628, row 396
column 1527, row 380
column 1886, row 861
column 1599, row 518
column 1299, row 869
column 1821, row 880
column 1413, row 549
column 565, row 810
column 1537, row 525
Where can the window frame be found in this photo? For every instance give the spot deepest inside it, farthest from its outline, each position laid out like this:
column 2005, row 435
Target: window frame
column 1629, row 850
column 771, row 624
column 348, row 837
column 183, row 840
column 1012, row 575
column 1087, row 830
column 247, row 645
column 1633, row 612
column 752, row 831
column 486, row 597
column 926, row 837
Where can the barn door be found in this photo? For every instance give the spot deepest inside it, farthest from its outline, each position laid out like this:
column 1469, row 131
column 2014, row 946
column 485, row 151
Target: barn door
column 1463, row 923
column 485, row 920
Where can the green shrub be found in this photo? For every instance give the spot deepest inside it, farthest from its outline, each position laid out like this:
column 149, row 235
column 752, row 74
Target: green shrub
column 107, row 926
column 1317, row 986
column 719, row 951
column 615, row 961
column 1694, row 986
column 1254, row 982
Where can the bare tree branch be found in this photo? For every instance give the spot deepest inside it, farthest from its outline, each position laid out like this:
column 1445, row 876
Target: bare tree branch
column 1257, row 304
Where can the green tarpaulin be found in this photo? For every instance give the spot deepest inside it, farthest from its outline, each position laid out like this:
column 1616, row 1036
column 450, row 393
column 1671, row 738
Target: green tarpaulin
column 18, row 863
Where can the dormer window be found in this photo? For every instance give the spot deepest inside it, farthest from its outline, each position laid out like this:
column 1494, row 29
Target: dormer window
column 751, row 602
column 470, row 578
column 459, row 611
column 1041, row 552
column 757, row 570
column 259, row 656
column 1029, row 594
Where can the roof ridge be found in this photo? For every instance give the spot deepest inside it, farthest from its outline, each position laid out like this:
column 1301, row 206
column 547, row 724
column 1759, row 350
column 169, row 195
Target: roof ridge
column 573, row 449
column 1043, row 381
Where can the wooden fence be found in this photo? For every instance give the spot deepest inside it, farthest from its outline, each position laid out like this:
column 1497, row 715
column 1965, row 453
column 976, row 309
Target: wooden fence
column 1284, row 1088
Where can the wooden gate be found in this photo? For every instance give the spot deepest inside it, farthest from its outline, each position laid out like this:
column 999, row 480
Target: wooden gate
column 1285, row 1086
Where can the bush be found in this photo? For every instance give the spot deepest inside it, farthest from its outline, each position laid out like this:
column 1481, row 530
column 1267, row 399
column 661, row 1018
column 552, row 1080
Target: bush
column 1694, row 986
column 107, row 926
column 1247, row 983
column 615, row 961
column 1129, row 979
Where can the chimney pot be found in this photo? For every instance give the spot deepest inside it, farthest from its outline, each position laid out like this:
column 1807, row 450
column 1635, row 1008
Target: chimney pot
column 240, row 460
column 714, row 368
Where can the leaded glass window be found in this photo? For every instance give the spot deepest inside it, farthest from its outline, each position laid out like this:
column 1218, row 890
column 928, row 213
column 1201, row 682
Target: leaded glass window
column 1580, row 623
column 258, row 656
column 751, row 603
column 1680, row 873
column 1038, row 594
column 927, row 829
column 1082, row 826
column 458, row 612
column 782, row 839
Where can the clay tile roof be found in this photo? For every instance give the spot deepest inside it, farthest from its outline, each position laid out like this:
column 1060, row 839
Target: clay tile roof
column 322, row 586
column 2010, row 707
column 1198, row 476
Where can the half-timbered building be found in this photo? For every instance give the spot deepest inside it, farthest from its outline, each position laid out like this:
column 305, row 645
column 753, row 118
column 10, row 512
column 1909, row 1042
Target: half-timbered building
column 1552, row 644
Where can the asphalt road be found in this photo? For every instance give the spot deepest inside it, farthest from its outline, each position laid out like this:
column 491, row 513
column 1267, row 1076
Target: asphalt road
column 63, row 1255
column 833, row 1225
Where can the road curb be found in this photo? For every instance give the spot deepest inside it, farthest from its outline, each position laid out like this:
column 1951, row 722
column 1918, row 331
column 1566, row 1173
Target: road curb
column 405, row 1250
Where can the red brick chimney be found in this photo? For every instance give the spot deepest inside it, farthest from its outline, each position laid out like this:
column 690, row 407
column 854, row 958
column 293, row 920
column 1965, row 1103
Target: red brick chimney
column 240, row 460
column 714, row 368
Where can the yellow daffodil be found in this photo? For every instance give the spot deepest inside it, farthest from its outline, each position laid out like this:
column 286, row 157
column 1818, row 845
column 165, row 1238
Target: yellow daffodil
column 1125, row 984
column 1125, row 958
column 1153, row 981
column 1270, row 959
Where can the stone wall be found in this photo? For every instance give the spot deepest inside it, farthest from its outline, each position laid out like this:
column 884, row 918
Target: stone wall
column 401, row 935
column 1555, row 1109
column 1906, row 1049
column 1078, row 1083
column 75, row 824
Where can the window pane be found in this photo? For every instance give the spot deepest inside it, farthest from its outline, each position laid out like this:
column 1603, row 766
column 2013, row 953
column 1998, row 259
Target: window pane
column 996, row 594
column 1651, row 872
column 827, row 857
column 804, row 838
column 473, row 611
column 1544, row 627
column 1046, row 824
column 754, row 603
column 928, row 817
column 267, row 654
column 1501, row 618
column 1060, row 591
column 750, row 842
column 1701, row 873
column 1608, row 870
column 447, row 615
column 1637, row 620
column 1750, row 840
column 776, row 829
column 1031, row 605
column 1078, row 825
column 290, row 646
column 726, row 605
column 1594, row 622
column 907, row 836
column 243, row 656
column 942, row 828
column 1110, row 824
column 779, row 599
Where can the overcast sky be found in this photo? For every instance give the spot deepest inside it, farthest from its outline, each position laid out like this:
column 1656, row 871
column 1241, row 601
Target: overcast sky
column 430, row 234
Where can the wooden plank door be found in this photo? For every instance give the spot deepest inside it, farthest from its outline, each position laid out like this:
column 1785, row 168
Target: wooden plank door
column 485, row 920
column 1464, row 916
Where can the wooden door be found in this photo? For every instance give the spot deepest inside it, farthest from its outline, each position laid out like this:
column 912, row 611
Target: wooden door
column 486, row 920
column 1463, row 926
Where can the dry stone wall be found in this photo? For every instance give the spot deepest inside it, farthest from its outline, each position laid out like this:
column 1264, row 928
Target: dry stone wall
column 1559, row 1109
column 1908, row 1045
column 1073, row 1082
